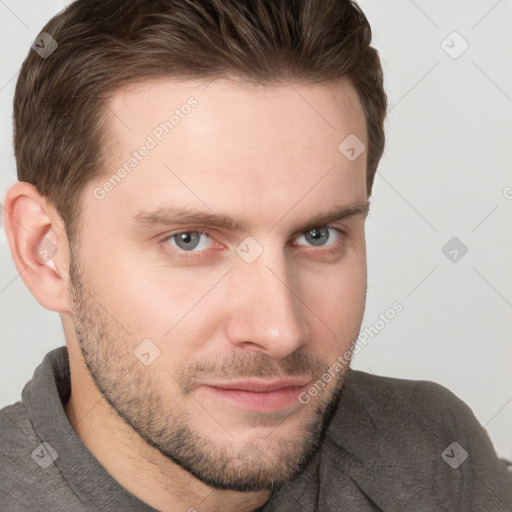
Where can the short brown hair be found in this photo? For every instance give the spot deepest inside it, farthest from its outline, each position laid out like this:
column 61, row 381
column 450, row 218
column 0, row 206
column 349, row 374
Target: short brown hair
column 59, row 103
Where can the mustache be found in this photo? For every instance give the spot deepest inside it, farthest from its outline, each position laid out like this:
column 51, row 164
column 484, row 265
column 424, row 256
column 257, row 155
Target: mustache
column 250, row 365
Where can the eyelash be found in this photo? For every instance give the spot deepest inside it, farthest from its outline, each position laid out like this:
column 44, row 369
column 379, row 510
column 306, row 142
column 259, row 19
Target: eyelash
column 334, row 248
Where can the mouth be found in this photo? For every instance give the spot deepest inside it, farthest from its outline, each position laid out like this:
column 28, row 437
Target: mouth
column 259, row 395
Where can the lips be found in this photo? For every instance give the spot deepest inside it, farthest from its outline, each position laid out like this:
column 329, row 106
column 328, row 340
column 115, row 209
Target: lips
column 258, row 394
column 262, row 385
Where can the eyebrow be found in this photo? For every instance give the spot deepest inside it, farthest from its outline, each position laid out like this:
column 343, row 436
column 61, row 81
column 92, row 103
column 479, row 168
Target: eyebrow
column 172, row 215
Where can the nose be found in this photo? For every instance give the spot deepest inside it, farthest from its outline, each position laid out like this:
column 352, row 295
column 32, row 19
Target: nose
column 265, row 310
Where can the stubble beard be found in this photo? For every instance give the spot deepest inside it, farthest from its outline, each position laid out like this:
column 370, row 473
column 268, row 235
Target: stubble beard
column 132, row 391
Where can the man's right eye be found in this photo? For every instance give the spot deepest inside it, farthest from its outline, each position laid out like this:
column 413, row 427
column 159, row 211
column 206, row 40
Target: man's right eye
column 189, row 241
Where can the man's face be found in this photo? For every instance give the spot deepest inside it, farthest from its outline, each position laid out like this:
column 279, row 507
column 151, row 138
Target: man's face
column 203, row 342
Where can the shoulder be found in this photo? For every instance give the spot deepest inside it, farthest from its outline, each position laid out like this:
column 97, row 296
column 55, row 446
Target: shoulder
column 28, row 478
column 412, row 410
column 376, row 414
column 17, row 441
column 389, row 400
column 16, row 432
column 416, row 431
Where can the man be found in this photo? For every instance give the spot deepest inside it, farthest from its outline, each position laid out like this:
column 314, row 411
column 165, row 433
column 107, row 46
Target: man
column 192, row 203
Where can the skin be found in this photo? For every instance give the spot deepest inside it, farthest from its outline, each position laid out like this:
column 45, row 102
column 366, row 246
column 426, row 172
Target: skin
column 267, row 156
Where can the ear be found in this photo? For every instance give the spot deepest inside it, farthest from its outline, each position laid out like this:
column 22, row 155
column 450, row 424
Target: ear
column 39, row 245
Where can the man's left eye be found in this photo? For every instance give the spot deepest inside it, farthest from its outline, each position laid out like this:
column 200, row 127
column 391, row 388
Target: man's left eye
column 319, row 237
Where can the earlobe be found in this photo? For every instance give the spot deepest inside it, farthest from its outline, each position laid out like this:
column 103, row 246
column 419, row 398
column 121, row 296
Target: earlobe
column 38, row 244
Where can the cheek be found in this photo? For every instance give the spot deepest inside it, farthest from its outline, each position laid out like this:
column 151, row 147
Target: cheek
column 337, row 297
column 163, row 303
column 340, row 299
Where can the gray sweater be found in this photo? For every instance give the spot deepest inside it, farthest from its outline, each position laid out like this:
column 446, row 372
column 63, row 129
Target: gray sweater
column 393, row 445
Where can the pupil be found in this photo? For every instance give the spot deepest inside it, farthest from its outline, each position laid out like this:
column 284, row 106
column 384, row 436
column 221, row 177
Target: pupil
column 187, row 240
column 317, row 236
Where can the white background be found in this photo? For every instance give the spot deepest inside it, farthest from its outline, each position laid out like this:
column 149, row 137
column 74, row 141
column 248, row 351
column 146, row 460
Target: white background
column 446, row 167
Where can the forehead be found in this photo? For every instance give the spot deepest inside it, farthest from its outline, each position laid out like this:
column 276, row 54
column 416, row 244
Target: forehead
column 328, row 107
column 260, row 146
